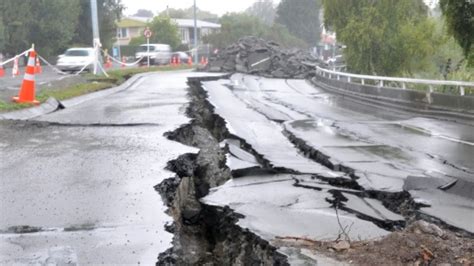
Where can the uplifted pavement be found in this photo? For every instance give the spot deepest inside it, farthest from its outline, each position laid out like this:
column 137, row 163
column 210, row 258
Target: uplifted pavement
column 386, row 153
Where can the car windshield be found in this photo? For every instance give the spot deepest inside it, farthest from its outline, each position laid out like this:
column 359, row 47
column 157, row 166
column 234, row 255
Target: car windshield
column 145, row 48
column 77, row 53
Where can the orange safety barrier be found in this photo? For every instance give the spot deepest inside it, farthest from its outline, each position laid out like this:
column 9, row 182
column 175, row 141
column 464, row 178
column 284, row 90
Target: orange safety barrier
column 38, row 69
column 108, row 62
column 27, row 91
column 15, row 69
column 124, row 60
column 203, row 61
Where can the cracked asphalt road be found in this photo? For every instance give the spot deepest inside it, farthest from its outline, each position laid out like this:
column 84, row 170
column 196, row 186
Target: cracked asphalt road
column 77, row 186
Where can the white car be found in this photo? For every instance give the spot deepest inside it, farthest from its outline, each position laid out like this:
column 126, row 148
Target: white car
column 75, row 59
column 159, row 54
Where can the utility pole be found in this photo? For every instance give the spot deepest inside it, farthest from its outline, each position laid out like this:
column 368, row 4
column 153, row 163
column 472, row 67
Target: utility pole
column 196, row 56
column 95, row 34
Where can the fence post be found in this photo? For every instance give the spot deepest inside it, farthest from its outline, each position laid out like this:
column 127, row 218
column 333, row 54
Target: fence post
column 461, row 91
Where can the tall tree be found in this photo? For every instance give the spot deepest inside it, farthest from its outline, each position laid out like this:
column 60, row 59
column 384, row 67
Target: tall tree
column 238, row 25
column 264, row 10
column 109, row 12
column 55, row 20
column 47, row 23
column 384, row 37
column 459, row 16
column 301, row 17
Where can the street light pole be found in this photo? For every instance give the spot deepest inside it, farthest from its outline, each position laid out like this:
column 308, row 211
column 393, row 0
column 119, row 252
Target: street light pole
column 95, row 33
column 196, row 56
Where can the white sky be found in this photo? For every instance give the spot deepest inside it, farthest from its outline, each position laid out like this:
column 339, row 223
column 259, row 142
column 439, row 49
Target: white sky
column 218, row 7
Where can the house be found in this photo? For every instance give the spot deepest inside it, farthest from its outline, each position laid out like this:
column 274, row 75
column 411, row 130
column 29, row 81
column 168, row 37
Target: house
column 131, row 27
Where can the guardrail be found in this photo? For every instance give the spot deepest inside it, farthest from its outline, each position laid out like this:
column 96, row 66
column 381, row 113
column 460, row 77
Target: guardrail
column 381, row 81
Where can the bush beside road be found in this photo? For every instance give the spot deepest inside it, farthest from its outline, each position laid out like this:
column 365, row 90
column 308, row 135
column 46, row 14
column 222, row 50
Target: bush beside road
column 62, row 90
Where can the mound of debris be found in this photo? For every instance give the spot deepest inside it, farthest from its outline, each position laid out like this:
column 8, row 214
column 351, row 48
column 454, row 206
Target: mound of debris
column 252, row 55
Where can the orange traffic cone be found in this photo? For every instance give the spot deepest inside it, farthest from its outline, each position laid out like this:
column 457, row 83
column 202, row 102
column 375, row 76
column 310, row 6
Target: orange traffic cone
column 108, row 63
column 15, row 69
column 2, row 71
column 179, row 60
column 27, row 91
column 190, row 61
column 202, row 60
column 38, row 69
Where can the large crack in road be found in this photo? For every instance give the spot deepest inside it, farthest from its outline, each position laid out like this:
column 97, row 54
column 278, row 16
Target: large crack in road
column 206, row 230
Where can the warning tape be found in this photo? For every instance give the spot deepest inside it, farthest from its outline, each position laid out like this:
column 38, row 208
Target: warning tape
column 55, row 69
column 129, row 64
column 16, row 56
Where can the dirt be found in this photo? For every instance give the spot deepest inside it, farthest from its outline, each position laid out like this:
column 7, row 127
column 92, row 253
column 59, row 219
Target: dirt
column 418, row 244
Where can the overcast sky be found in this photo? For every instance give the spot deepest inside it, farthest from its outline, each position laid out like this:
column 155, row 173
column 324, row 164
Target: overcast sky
column 218, row 7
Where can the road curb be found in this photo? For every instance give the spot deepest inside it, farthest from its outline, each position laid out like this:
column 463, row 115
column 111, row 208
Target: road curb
column 52, row 105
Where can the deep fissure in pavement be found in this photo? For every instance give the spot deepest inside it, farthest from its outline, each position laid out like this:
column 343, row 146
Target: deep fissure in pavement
column 205, row 234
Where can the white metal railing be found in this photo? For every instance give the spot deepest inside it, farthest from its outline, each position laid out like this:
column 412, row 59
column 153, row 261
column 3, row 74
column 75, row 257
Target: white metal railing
column 462, row 85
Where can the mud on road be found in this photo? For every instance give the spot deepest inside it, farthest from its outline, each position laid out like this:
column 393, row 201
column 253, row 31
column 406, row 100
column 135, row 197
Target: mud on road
column 210, row 234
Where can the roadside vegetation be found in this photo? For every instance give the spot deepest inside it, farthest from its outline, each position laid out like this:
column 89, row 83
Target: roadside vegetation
column 92, row 84
column 405, row 38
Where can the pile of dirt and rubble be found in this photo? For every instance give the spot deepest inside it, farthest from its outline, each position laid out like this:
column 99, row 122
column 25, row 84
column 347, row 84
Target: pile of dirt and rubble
column 252, row 55
column 421, row 243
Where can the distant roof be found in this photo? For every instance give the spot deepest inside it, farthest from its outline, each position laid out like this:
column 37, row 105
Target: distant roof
column 130, row 22
column 189, row 23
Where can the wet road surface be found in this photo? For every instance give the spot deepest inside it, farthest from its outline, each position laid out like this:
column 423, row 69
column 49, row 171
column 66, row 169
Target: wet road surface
column 388, row 151
column 77, row 186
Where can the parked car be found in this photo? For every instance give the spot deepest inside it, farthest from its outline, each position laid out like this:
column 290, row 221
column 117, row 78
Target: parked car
column 183, row 57
column 75, row 59
column 159, row 54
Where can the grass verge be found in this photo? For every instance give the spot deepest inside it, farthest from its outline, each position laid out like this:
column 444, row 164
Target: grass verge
column 93, row 84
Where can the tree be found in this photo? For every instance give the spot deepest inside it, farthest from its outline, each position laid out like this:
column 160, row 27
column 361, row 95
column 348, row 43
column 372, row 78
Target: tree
column 383, row 37
column 301, row 17
column 459, row 16
column 237, row 25
column 55, row 20
column 47, row 23
column 264, row 10
column 109, row 12
column 144, row 13
column 164, row 31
